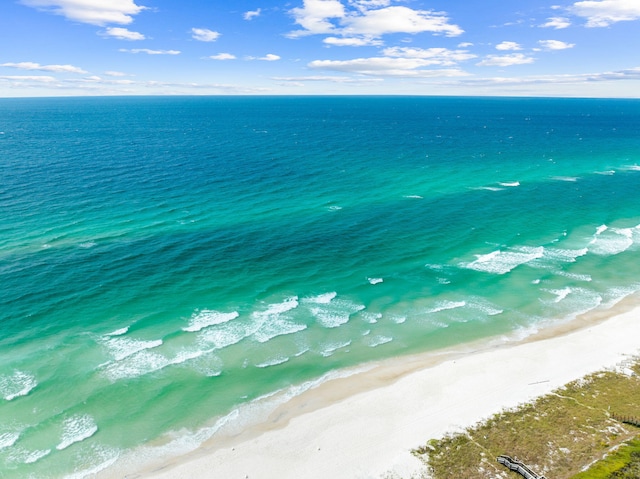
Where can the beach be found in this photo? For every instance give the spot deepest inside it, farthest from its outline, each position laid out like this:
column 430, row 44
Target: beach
column 335, row 431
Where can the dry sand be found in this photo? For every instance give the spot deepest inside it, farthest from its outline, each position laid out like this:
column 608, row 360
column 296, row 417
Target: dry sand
column 365, row 426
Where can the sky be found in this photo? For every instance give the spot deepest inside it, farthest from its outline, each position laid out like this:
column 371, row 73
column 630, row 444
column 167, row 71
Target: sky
column 586, row 48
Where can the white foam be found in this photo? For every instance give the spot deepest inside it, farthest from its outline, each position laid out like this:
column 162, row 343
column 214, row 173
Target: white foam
column 446, row 305
column 334, row 208
column 273, row 362
column 76, row 429
column 510, row 184
column 8, row 439
column 564, row 255
column 34, row 456
column 273, row 322
column 277, row 327
column 119, row 332
column 488, row 188
column 398, row 319
column 379, row 340
column 606, row 172
column 484, row 306
column 611, row 241
column 321, row 299
column 416, row 197
column 121, row 348
column 206, row 318
column 571, row 179
column 107, row 455
column 502, row 262
column 375, row 280
column 331, row 348
column 336, row 313
column 16, row 385
column 145, row 362
column 371, row 318
column 88, row 244
column 576, row 276
column 224, row 335
column 559, row 293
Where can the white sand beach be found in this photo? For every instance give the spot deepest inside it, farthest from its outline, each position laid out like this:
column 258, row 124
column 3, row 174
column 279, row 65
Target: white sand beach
column 365, row 426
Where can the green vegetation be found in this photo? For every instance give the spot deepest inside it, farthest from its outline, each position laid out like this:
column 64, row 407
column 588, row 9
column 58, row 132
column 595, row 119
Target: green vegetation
column 557, row 435
column 623, row 463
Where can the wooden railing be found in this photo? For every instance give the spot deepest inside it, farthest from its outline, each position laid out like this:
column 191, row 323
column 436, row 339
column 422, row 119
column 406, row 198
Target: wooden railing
column 518, row 467
column 634, row 421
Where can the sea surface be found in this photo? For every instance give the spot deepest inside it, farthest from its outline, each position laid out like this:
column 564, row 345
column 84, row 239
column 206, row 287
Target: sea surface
column 172, row 267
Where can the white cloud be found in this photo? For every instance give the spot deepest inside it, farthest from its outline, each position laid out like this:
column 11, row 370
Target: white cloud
column 44, row 68
column 506, row 60
column 352, row 42
column 386, row 66
column 204, row 34
column 36, row 78
column 368, row 18
column 555, row 45
column 465, row 45
column 602, row 13
column 122, row 34
column 327, row 78
column 431, row 56
column 95, row 12
column 115, row 74
column 151, row 52
column 222, row 56
column 508, row 46
column 557, row 23
column 314, row 16
column 252, row 14
column 270, row 57
column 400, row 20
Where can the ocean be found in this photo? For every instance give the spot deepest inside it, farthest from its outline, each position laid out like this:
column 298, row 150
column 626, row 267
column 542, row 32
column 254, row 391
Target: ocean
column 172, row 268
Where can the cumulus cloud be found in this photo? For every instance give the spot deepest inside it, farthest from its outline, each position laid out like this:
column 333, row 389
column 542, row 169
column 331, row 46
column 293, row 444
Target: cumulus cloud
column 557, row 23
column 204, row 34
column 555, row 45
column 508, row 46
column 368, row 18
column 400, row 20
column 252, row 14
column 122, row 34
column 44, row 68
column 506, row 60
column 95, row 12
column 602, row 13
column 222, row 56
column 115, row 74
column 150, row 52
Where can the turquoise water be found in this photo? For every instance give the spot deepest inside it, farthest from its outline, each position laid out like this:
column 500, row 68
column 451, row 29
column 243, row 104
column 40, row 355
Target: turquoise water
column 166, row 262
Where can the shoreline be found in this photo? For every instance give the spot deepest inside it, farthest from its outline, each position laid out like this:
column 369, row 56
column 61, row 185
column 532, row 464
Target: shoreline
column 364, row 425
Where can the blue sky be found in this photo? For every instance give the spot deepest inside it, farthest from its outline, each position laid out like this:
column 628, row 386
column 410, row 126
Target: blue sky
column 300, row 47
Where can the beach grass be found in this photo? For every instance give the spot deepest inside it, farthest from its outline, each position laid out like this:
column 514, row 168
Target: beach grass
column 559, row 435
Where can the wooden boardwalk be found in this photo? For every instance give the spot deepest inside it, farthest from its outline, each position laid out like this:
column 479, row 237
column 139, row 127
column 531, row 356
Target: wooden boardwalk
column 518, row 467
column 634, row 421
